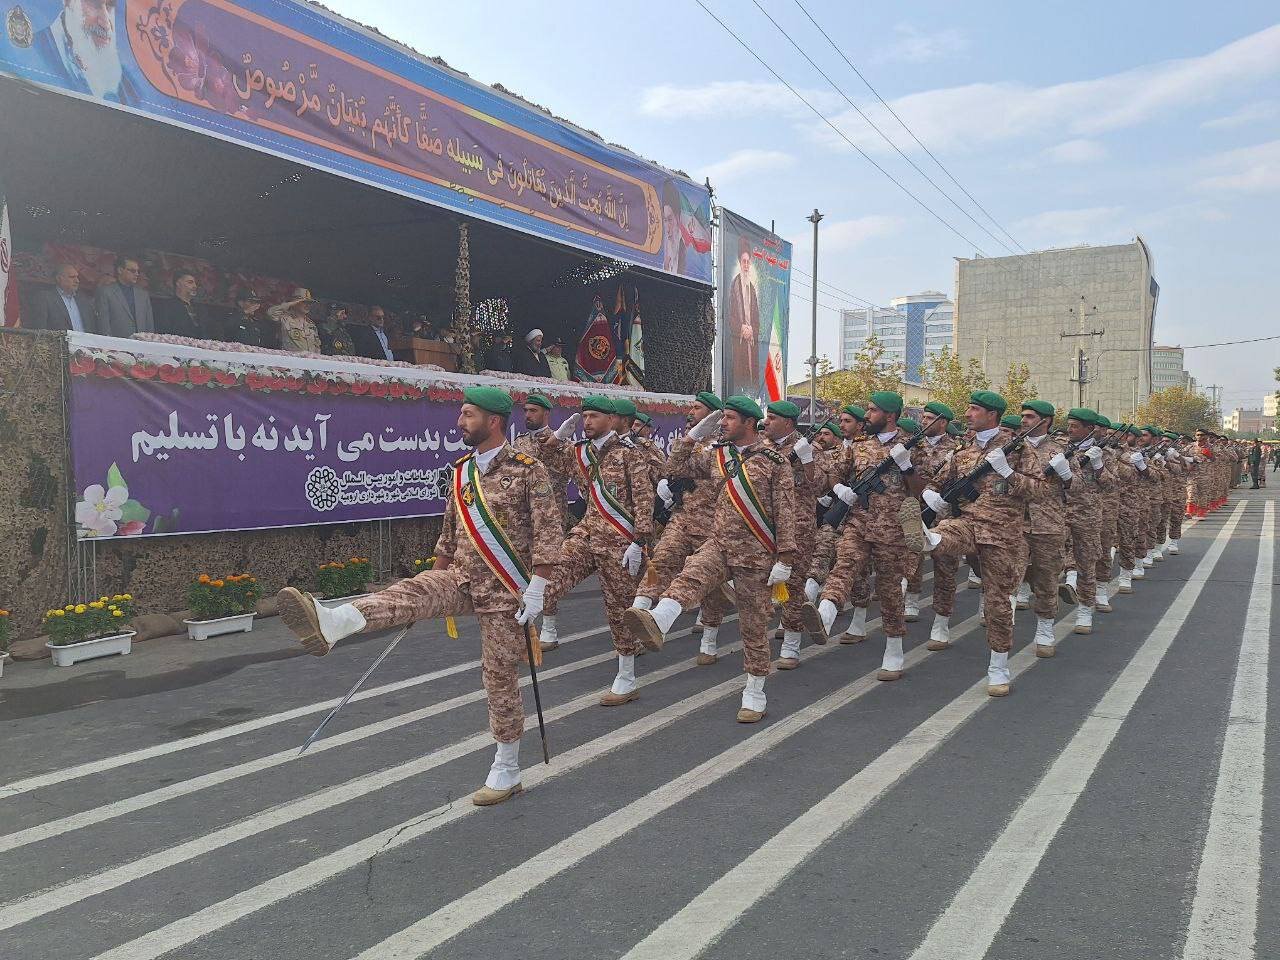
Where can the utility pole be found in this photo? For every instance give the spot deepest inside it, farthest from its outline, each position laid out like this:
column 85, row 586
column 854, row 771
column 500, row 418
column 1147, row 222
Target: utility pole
column 813, row 354
column 1080, row 363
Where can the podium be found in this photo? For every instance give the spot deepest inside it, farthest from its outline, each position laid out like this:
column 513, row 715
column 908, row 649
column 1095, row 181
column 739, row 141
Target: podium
column 420, row 351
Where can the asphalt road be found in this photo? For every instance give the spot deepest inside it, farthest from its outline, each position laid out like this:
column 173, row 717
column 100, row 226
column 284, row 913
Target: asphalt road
column 1115, row 805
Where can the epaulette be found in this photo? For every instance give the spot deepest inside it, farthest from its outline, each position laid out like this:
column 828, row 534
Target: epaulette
column 774, row 455
column 627, row 442
column 524, row 458
column 464, row 458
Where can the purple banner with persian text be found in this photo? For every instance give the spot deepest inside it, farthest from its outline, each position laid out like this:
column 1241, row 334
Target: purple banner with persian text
column 153, row 458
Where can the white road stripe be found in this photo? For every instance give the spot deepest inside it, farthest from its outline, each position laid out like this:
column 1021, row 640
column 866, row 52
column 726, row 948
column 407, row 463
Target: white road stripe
column 103, row 764
column 1224, row 914
column 971, row 922
column 170, row 937
column 41, row 902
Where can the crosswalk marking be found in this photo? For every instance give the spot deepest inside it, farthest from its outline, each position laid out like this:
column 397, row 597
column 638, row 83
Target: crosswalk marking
column 971, row 922
column 1224, row 913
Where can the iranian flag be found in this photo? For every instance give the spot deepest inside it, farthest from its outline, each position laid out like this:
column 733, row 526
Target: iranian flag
column 8, row 282
column 773, row 374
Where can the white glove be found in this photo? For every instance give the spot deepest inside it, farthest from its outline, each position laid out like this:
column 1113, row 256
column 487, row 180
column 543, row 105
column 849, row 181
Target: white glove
column 825, row 500
column 901, row 456
column 1158, row 458
column 706, row 427
column 999, row 463
column 631, row 558
column 1172, row 455
column 569, row 427
column 1095, row 457
column 531, row 600
column 933, row 500
column 664, row 491
column 1060, row 466
column 803, row 449
column 780, row 573
column 844, row 493
column 811, row 588
column 1138, row 460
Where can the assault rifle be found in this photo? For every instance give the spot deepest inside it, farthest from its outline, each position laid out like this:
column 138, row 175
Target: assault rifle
column 965, row 489
column 870, row 481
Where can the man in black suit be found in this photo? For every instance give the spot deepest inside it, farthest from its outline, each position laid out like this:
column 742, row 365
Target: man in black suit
column 371, row 341
column 62, row 306
column 179, row 316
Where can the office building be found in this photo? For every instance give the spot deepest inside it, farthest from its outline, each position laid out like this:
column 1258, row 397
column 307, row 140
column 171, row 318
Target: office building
column 1271, row 405
column 1248, row 421
column 915, row 327
column 1168, row 368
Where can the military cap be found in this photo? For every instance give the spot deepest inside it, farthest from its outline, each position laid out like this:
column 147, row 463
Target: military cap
column 909, row 425
column 709, row 400
column 1152, row 429
column 538, row 400
column 745, row 406
column 624, row 407
column 598, row 404
column 989, row 400
column 1103, row 422
column 887, row 400
column 832, row 426
column 785, row 408
column 939, row 409
column 644, row 418
column 1083, row 414
column 1136, row 431
column 488, row 398
column 855, row 411
column 1042, row 407
column 1012, row 421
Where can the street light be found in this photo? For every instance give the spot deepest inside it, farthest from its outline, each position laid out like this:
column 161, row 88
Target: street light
column 813, row 351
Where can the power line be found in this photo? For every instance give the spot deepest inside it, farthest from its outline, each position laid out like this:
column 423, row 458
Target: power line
column 840, row 133
column 903, row 123
column 871, row 123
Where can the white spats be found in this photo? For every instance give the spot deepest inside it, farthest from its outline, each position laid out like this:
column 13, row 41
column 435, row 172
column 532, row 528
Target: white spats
column 550, row 632
column 1023, row 595
column 974, row 581
column 339, row 622
column 665, row 613
column 1171, row 547
column 1072, row 579
column 625, row 681
column 893, row 657
column 1101, row 601
column 708, row 643
column 998, row 670
column 912, row 609
column 941, row 632
column 1126, row 582
column 1138, row 572
column 827, row 611
column 642, row 603
column 1084, row 619
column 811, row 590
column 791, row 645
column 1044, row 632
column 505, row 772
column 931, row 540
column 858, row 623
column 753, row 694
column 1150, row 559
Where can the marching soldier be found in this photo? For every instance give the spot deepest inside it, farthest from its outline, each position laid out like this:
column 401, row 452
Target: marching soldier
column 1175, row 493
column 753, row 540
column 938, row 447
column 1108, row 509
column 989, row 526
column 497, row 550
column 642, row 437
column 1085, row 502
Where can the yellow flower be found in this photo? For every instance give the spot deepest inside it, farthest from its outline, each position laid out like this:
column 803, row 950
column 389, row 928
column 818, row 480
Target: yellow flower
column 69, row 607
column 204, row 578
column 117, row 613
column 59, row 613
column 97, row 604
column 50, row 613
column 4, row 613
column 219, row 584
column 80, row 608
column 103, row 599
column 127, row 596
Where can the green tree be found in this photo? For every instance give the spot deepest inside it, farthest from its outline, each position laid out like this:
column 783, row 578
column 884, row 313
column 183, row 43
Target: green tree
column 950, row 381
column 1018, row 388
column 1180, row 409
column 867, row 374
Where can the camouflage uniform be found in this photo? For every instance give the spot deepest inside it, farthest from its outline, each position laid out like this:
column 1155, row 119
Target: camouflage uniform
column 991, row 527
column 1109, row 513
column 807, row 479
column 595, row 545
column 839, row 469
column 876, row 537
column 732, row 551
column 945, row 569
column 1086, row 497
column 1175, row 496
column 1044, row 530
column 530, row 444
column 518, row 493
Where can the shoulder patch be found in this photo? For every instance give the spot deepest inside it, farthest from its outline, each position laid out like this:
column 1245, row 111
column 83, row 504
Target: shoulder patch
column 775, row 456
column 525, row 459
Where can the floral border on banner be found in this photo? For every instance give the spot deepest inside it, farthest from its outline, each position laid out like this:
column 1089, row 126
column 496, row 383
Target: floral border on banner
column 194, row 373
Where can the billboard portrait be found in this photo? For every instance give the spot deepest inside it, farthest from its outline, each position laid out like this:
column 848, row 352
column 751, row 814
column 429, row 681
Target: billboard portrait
column 755, row 298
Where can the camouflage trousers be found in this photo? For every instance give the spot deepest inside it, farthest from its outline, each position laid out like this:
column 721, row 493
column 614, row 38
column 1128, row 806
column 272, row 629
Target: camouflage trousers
column 1000, row 575
column 434, row 594
column 854, row 557
column 1042, row 566
column 578, row 560
column 824, row 555
column 1175, row 509
column 1106, row 540
column 792, row 610
column 707, row 569
column 946, row 570
column 1127, row 535
column 676, row 545
column 1082, row 553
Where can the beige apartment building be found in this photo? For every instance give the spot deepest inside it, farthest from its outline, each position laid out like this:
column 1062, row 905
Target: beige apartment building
column 1053, row 309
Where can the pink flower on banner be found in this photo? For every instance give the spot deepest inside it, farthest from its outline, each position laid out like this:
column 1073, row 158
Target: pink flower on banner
column 98, row 512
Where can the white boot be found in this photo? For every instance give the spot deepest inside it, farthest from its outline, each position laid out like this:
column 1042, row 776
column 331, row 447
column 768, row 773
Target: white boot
column 912, row 611
column 753, row 702
column 624, row 684
column 665, row 613
column 339, row 622
column 1150, row 559
column 1171, row 547
column 998, row 675
column 940, row 635
column 1068, row 589
column 789, row 656
column 1046, row 642
column 1157, row 554
column 891, row 665
column 1113, row 554
column 707, row 646
column 549, row 635
column 856, row 631
column 1101, row 602
column 1024, row 595
column 1084, row 619
column 505, row 772
column 643, row 603
column 1126, row 582
column 1139, row 571
column 811, row 590
column 974, row 581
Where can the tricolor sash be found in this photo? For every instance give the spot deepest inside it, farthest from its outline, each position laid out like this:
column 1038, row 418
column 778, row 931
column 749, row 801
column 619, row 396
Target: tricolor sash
column 743, row 496
column 605, row 503
column 484, row 531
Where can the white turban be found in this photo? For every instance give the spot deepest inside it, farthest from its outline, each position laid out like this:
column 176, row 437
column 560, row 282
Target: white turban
column 535, row 332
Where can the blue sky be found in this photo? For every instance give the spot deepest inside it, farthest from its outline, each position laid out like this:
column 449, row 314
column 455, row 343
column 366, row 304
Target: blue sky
column 1069, row 122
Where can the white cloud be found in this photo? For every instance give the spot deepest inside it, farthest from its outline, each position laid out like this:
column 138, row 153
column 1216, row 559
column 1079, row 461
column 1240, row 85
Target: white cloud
column 1247, row 170
column 746, row 163
column 729, row 98
column 840, row 236
column 1076, row 151
column 1058, row 228
column 1256, row 112
column 914, row 46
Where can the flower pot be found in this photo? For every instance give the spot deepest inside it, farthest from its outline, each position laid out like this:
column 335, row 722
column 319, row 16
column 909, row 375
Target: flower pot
column 204, row 629
column 330, row 603
column 64, row 655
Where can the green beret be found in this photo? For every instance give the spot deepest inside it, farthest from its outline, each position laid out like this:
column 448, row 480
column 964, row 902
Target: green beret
column 1136, row 431
column 488, row 398
column 745, row 406
column 989, row 400
column 1103, row 422
column 1152, row 429
column 855, row 411
column 887, row 400
column 909, row 425
column 709, row 400
column 538, row 400
column 624, row 407
column 1083, row 414
column 832, row 426
column 645, row 419
column 1012, row 421
column 599, row 404
column 785, row 408
column 1172, row 436
column 939, row 409
column 955, row 428
column 1043, row 407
